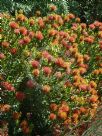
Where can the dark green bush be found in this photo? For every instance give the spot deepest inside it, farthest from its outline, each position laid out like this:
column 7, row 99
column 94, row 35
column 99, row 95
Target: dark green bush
column 87, row 10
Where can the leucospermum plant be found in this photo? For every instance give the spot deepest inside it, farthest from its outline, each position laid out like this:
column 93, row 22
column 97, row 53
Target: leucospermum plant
column 61, row 58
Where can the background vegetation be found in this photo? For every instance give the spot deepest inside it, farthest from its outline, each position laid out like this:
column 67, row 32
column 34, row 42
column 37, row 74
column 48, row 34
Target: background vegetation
column 87, row 10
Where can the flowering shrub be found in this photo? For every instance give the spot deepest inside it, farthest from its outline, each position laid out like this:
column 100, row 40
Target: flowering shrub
column 60, row 60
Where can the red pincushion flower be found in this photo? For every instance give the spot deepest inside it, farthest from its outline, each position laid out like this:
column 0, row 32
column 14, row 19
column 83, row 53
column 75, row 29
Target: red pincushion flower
column 8, row 86
column 16, row 31
column 2, row 56
column 39, row 35
column 53, row 106
column 31, row 34
column 21, row 42
column 20, row 96
column 92, row 26
column 47, row 70
column 26, row 40
column 13, row 25
column 46, row 55
column 30, row 84
column 13, row 50
column 52, row 116
column 83, row 87
column 35, row 64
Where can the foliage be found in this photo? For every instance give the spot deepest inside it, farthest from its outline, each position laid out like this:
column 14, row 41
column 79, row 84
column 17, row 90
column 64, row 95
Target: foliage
column 50, row 72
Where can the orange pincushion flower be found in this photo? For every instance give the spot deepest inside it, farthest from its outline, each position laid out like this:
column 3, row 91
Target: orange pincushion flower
column 76, row 78
column 36, row 72
column 46, row 88
column 67, row 84
column 21, row 17
column 64, row 108
column 53, row 106
column 24, row 123
column 94, row 98
column 79, row 61
column 93, row 91
column 76, row 111
column 26, row 130
column 6, row 108
column 83, row 25
column 76, row 84
column 100, row 71
column 82, row 110
column 75, row 116
column 62, row 115
column 96, row 72
column 71, row 16
column 52, row 32
column 13, row 25
column 52, row 116
column 38, row 13
column 75, row 72
column 41, row 22
column 53, row 8
column 60, row 21
column 89, row 39
column 23, row 30
column 82, row 70
column 16, row 115
column 58, row 75
column 5, row 44
column 92, row 112
column 93, row 84
column 55, row 25
column 86, row 57
column 77, row 20
column 31, row 22
column 81, row 38
column 71, row 39
column 59, row 62
column 67, row 122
